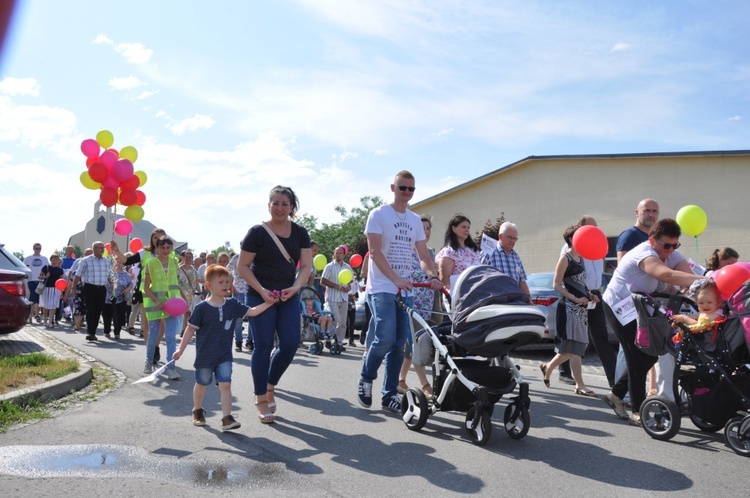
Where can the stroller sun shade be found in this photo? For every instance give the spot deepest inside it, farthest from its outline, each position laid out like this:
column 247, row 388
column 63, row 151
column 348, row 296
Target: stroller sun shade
column 491, row 316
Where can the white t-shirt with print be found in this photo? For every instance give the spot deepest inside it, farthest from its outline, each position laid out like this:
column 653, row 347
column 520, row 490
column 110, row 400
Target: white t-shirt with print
column 400, row 232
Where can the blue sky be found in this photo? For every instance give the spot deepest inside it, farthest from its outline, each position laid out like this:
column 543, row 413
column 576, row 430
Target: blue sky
column 225, row 99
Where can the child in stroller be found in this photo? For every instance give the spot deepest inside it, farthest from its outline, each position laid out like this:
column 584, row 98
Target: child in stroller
column 317, row 324
column 709, row 303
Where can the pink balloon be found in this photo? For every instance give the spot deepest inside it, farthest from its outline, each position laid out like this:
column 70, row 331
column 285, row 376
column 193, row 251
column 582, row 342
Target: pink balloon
column 744, row 264
column 122, row 169
column 108, row 158
column 90, row 148
column 345, row 248
column 123, row 226
column 175, row 306
column 111, row 182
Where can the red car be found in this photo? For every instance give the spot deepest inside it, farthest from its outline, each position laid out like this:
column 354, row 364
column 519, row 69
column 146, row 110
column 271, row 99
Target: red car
column 14, row 308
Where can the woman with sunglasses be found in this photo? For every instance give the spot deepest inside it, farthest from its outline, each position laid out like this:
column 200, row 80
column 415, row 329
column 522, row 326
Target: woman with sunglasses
column 653, row 265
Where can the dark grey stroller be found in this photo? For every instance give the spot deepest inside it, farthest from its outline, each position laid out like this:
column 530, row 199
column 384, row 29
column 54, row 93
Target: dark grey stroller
column 471, row 371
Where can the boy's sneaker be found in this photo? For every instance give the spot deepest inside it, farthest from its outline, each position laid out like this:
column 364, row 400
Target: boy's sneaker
column 199, row 417
column 149, row 368
column 364, row 394
column 238, row 346
column 228, row 423
column 172, row 374
column 392, row 404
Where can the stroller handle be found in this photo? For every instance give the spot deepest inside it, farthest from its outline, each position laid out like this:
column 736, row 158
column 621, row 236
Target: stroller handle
column 426, row 285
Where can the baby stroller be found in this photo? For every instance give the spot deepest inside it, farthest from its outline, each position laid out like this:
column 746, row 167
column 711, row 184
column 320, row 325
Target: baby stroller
column 311, row 331
column 471, row 371
column 710, row 369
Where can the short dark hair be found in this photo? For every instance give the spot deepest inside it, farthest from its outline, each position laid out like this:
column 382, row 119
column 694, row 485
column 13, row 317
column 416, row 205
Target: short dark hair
column 666, row 227
column 568, row 234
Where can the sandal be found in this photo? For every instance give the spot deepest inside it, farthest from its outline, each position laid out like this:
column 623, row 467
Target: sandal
column 265, row 418
column 585, row 392
column 543, row 368
column 427, row 390
column 272, row 402
column 402, row 387
column 652, row 392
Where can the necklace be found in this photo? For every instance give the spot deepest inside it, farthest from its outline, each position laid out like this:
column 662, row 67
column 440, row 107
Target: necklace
column 397, row 214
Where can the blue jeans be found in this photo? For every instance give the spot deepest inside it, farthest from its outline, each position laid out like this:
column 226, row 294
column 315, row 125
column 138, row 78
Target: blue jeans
column 283, row 318
column 238, row 323
column 389, row 327
column 222, row 373
column 171, row 329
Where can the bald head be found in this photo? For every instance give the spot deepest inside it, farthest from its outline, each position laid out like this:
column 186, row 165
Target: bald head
column 646, row 214
column 586, row 220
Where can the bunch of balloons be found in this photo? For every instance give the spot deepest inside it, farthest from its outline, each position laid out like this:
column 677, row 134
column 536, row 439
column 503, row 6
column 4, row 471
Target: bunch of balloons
column 112, row 173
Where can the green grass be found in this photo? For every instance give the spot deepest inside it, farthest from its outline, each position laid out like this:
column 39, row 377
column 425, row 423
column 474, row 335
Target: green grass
column 20, row 371
column 13, row 413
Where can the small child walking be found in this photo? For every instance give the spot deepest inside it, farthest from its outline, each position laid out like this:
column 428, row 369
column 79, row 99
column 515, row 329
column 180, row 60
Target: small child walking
column 213, row 322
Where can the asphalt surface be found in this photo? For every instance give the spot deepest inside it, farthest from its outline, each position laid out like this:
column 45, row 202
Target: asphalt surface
column 138, row 440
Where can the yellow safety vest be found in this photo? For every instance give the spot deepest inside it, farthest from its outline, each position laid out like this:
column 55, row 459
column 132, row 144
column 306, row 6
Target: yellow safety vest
column 163, row 285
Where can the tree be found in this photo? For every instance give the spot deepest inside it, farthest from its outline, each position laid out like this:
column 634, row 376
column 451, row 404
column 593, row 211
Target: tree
column 491, row 229
column 350, row 231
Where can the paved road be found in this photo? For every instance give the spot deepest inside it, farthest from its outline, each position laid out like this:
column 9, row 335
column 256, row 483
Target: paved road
column 139, row 441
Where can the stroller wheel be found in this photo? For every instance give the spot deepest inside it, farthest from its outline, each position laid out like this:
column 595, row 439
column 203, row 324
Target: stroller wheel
column 479, row 431
column 737, row 435
column 660, row 417
column 414, row 409
column 704, row 425
column 517, row 420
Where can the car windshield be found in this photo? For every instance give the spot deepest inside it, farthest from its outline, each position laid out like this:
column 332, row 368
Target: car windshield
column 540, row 280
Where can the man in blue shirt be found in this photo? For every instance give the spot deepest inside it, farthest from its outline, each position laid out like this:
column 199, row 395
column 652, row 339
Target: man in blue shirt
column 646, row 214
column 505, row 258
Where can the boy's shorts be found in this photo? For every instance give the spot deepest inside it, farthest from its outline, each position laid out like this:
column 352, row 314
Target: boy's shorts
column 222, row 372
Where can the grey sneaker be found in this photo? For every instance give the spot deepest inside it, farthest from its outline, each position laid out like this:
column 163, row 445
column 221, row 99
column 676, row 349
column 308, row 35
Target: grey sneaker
column 228, row 423
column 392, row 404
column 617, row 405
column 364, row 394
column 148, row 368
column 172, row 374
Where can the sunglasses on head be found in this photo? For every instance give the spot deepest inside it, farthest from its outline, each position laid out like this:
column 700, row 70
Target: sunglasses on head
column 667, row 246
column 404, row 188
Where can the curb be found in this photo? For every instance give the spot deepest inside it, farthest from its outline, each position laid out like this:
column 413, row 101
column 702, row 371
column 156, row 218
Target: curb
column 54, row 389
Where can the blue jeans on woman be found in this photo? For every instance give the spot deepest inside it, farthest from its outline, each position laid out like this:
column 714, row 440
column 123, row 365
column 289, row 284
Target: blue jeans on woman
column 171, row 329
column 283, row 319
column 389, row 327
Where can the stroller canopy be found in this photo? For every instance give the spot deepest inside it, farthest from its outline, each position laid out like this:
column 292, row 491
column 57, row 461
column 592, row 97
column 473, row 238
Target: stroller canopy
column 485, row 301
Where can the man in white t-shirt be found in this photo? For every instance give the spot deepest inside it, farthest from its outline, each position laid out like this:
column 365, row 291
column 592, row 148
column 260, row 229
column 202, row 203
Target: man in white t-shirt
column 337, row 294
column 35, row 262
column 393, row 234
column 210, row 259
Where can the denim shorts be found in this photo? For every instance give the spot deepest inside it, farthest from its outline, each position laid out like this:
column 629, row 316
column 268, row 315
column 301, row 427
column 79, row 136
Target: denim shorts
column 222, row 372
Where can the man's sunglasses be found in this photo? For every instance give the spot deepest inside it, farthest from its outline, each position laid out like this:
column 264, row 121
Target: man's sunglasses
column 667, row 246
column 404, row 188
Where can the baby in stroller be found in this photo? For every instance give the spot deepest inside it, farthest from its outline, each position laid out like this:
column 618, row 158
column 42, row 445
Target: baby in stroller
column 323, row 320
column 317, row 324
column 710, row 307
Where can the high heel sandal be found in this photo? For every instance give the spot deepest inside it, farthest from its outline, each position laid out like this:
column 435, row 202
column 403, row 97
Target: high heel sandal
column 265, row 418
column 272, row 403
column 543, row 368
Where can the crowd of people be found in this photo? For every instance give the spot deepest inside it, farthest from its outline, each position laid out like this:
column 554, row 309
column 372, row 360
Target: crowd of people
column 261, row 285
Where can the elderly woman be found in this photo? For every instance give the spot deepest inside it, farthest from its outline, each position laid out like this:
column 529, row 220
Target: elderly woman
column 653, row 265
column 268, row 260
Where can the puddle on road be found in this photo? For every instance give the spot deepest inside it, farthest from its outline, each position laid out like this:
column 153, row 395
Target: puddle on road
column 98, row 461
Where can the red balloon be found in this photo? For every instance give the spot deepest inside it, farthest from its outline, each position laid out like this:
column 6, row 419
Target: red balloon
column 730, row 278
column 108, row 158
column 114, row 151
column 110, row 182
column 590, row 242
column 108, row 247
column 61, row 285
column 140, row 198
column 91, row 160
column 136, row 245
column 108, row 196
column 128, row 197
column 131, row 183
column 355, row 261
column 98, row 172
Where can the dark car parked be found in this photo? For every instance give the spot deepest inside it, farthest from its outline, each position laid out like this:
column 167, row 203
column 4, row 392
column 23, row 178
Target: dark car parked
column 14, row 307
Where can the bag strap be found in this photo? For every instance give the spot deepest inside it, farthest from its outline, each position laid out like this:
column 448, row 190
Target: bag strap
column 282, row 250
column 188, row 279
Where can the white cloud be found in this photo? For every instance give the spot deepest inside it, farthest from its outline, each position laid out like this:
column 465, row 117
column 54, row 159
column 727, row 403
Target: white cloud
column 144, row 95
column 620, row 47
column 197, row 122
column 736, row 117
column 35, row 126
column 347, row 155
column 160, row 114
column 102, row 39
column 19, row 86
column 135, row 53
column 126, row 83
column 442, row 132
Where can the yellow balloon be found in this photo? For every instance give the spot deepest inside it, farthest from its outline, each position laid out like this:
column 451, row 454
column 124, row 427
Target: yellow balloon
column 692, row 220
column 320, row 262
column 134, row 213
column 105, row 138
column 345, row 276
column 87, row 182
column 128, row 152
column 141, row 176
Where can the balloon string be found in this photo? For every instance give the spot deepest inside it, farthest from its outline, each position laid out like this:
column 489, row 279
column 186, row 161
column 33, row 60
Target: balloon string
column 697, row 252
